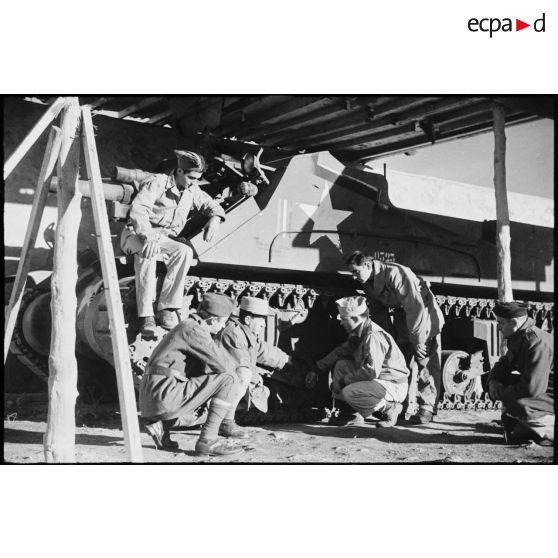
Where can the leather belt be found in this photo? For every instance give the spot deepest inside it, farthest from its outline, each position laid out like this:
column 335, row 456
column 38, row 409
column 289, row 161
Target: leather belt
column 157, row 370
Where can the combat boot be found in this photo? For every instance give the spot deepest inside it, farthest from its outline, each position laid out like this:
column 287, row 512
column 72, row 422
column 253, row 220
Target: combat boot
column 161, row 436
column 389, row 415
column 229, row 429
column 147, row 326
column 167, row 318
column 422, row 417
column 215, row 448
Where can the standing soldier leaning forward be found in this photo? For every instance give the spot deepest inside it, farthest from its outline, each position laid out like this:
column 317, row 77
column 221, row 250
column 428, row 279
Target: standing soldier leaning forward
column 417, row 321
column 158, row 214
column 528, row 394
column 369, row 370
column 242, row 339
column 186, row 369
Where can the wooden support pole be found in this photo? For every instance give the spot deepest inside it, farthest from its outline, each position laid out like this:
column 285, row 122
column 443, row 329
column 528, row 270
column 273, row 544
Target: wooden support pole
column 39, row 201
column 59, row 441
column 503, row 237
column 33, row 136
column 128, row 409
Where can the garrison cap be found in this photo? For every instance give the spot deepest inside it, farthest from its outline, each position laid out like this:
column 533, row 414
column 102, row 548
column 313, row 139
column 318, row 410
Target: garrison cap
column 190, row 161
column 509, row 310
column 218, row 305
column 351, row 306
column 255, row 306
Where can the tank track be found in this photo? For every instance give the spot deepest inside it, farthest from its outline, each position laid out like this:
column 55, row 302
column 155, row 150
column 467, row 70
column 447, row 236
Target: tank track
column 289, row 296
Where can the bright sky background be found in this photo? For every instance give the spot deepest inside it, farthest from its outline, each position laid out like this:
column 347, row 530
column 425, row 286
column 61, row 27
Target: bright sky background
column 529, row 159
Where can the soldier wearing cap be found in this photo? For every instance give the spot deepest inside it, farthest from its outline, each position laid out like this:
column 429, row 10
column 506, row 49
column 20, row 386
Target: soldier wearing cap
column 369, row 370
column 417, row 322
column 187, row 369
column 528, row 394
column 242, row 339
column 157, row 216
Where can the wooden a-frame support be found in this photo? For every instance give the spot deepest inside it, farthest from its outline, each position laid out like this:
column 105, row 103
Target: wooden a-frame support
column 64, row 147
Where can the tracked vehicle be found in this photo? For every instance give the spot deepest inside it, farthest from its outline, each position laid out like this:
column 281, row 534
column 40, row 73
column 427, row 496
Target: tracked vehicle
column 287, row 243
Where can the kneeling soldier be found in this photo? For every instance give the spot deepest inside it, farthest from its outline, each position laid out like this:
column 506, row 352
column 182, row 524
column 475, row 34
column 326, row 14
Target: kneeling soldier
column 369, row 370
column 241, row 338
column 527, row 395
column 187, row 369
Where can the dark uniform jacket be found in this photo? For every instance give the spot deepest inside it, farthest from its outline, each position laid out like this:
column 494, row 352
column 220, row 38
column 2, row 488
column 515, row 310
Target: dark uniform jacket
column 186, row 351
column 529, row 394
column 374, row 352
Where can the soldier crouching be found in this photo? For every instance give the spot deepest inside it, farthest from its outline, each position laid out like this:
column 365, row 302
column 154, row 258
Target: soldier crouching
column 242, row 339
column 528, row 394
column 187, row 369
column 369, row 370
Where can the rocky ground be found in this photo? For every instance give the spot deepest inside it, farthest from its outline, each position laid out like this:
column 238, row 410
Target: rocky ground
column 455, row 437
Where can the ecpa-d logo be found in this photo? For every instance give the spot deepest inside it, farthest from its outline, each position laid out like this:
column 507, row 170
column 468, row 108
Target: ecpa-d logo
column 493, row 25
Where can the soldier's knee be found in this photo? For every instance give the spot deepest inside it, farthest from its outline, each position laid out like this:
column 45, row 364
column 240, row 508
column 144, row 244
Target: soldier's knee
column 184, row 251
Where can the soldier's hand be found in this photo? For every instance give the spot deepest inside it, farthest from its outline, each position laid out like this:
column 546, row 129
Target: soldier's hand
column 421, row 350
column 211, row 228
column 150, row 249
column 311, row 379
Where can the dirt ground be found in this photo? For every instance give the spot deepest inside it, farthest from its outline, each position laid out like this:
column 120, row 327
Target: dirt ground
column 455, row 437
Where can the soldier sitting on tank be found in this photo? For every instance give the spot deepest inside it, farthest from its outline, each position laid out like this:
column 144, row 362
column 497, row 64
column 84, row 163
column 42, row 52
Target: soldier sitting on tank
column 242, row 339
column 186, row 369
column 158, row 214
column 527, row 395
column 417, row 322
column 369, row 370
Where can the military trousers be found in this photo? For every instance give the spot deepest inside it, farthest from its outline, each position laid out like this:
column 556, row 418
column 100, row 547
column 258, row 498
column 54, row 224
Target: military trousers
column 425, row 381
column 167, row 398
column 367, row 396
column 177, row 258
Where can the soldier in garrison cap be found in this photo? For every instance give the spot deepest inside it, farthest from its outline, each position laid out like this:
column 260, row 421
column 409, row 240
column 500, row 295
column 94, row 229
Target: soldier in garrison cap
column 157, row 216
column 186, row 369
column 369, row 370
column 417, row 322
column 242, row 339
column 523, row 379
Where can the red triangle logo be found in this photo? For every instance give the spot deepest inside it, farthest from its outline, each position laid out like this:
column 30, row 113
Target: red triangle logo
column 519, row 25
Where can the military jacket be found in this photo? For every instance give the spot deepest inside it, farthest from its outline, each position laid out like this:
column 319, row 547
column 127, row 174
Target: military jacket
column 531, row 353
column 162, row 206
column 189, row 348
column 375, row 353
column 248, row 350
column 396, row 286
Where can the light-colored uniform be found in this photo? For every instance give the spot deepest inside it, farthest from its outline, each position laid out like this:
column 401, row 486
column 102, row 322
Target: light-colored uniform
column 248, row 351
column 160, row 207
column 372, row 367
column 417, row 320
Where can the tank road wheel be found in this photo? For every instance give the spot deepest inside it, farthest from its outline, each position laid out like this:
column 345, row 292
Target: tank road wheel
column 451, row 366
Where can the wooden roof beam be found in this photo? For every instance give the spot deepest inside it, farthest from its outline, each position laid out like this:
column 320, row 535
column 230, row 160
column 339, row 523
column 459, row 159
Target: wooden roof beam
column 437, row 112
column 364, row 115
column 160, row 117
column 144, row 103
column 270, row 113
column 421, row 141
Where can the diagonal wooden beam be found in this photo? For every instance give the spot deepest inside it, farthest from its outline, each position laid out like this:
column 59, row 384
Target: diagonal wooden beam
column 39, row 201
column 51, row 113
column 128, row 409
